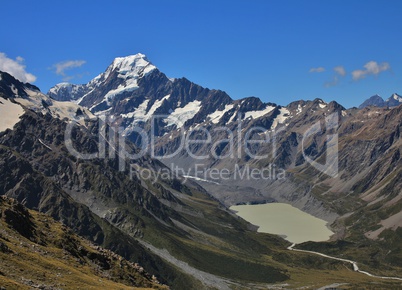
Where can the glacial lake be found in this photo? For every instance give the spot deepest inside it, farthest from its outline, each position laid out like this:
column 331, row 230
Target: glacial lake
column 284, row 220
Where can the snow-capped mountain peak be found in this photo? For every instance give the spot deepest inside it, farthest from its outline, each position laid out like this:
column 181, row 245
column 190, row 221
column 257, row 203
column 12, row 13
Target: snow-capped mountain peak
column 129, row 69
column 66, row 92
column 121, row 78
column 133, row 65
column 394, row 100
column 376, row 100
column 397, row 97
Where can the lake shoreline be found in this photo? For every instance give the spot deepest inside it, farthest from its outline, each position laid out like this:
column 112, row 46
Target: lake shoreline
column 294, row 225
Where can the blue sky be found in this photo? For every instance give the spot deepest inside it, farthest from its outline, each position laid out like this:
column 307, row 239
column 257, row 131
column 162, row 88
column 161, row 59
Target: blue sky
column 279, row 51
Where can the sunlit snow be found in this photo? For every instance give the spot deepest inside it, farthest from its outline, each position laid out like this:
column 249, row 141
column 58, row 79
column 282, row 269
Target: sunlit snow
column 156, row 105
column 217, row 115
column 281, row 118
column 130, row 69
column 397, row 98
column 58, row 109
column 139, row 114
column 10, row 114
column 299, row 109
column 322, row 106
column 258, row 114
column 179, row 116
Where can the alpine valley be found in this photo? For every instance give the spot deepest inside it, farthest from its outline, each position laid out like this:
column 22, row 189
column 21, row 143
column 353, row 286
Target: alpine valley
column 77, row 204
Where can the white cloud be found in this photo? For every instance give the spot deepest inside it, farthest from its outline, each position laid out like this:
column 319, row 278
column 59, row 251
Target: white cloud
column 358, row 74
column 317, row 69
column 371, row 68
column 61, row 67
column 340, row 70
column 339, row 73
column 16, row 68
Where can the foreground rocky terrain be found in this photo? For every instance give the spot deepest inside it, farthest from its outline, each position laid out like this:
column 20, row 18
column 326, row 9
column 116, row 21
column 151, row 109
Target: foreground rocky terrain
column 38, row 252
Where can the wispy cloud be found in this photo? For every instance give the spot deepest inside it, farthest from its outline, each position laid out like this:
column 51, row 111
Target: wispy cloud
column 340, row 72
column 317, row 69
column 61, row 67
column 16, row 68
column 370, row 68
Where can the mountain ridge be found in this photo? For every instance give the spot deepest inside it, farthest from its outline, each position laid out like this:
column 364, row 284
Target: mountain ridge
column 367, row 183
column 393, row 101
column 121, row 210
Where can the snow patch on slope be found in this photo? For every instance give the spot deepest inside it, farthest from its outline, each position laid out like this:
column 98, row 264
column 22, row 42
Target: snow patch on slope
column 157, row 104
column 10, row 114
column 34, row 100
column 139, row 114
column 299, row 109
column 281, row 118
column 217, row 115
column 397, row 98
column 67, row 110
column 322, row 106
column 128, row 87
column 234, row 115
column 179, row 116
column 258, row 114
column 60, row 110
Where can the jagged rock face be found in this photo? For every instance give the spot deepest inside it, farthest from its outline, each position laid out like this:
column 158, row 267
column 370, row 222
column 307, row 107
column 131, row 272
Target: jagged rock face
column 67, row 92
column 24, row 181
column 79, row 178
column 11, row 87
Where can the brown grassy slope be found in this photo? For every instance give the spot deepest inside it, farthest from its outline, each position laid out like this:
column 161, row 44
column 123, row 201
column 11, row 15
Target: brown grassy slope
column 36, row 251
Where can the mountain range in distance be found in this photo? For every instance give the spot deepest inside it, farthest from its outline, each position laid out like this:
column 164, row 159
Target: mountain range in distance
column 376, row 100
column 183, row 232
column 77, row 93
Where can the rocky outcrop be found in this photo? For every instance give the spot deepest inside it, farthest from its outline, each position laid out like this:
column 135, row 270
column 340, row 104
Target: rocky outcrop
column 57, row 252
